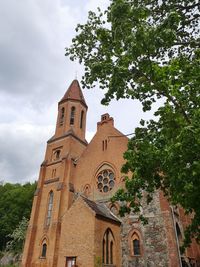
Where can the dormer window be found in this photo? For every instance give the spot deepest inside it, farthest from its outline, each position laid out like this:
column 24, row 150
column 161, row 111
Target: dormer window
column 72, row 115
column 62, row 114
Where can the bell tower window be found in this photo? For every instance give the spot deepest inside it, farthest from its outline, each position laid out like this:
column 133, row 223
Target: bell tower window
column 81, row 122
column 72, row 115
column 62, row 114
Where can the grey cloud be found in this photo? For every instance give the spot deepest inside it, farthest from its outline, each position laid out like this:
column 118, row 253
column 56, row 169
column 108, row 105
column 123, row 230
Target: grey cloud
column 34, row 74
column 22, row 151
column 32, row 57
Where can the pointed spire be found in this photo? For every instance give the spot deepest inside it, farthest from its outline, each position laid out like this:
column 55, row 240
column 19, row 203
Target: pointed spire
column 74, row 93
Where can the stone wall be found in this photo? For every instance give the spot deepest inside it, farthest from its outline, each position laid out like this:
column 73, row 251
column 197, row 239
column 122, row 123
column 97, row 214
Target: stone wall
column 153, row 238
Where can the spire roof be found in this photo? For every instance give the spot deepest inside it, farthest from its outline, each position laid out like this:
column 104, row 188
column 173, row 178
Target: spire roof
column 74, row 92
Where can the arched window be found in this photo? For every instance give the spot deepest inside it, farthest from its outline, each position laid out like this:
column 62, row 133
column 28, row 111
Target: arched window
column 62, row 114
column 44, row 250
column 81, row 121
column 87, row 190
column 57, row 154
column 135, row 245
column 72, row 115
column 108, row 247
column 49, row 208
column 103, row 251
column 111, row 252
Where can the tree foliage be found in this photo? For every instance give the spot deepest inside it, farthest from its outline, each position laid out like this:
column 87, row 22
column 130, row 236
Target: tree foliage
column 15, row 203
column 15, row 245
column 147, row 50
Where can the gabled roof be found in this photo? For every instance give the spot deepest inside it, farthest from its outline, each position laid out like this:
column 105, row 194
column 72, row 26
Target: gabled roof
column 101, row 210
column 74, row 92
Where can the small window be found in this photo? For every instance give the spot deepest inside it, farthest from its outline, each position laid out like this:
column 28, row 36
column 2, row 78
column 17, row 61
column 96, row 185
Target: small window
column 72, row 115
column 87, row 190
column 81, row 122
column 57, row 154
column 106, row 144
column 44, row 250
column 136, row 247
column 70, row 261
column 62, row 114
column 53, row 172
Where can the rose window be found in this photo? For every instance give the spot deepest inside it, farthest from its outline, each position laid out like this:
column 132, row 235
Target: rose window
column 105, row 181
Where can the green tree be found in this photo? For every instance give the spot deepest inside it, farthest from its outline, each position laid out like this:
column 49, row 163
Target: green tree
column 15, row 245
column 15, row 203
column 147, row 50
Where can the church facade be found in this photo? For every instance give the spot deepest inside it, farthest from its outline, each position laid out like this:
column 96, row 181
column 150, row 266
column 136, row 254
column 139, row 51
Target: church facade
column 74, row 223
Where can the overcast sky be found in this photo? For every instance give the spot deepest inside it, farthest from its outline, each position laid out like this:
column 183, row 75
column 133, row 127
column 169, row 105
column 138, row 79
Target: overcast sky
column 34, row 75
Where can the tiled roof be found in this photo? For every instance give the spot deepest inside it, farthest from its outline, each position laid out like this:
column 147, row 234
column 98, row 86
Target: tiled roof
column 74, row 93
column 101, row 210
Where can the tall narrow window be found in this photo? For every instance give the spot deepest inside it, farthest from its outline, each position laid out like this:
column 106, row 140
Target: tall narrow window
column 106, row 144
column 62, row 114
column 81, row 122
column 136, row 247
column 72, row 115
column 103, row 249
column 108, row 246
column 135, row 244
column 44, row 250
column 111, row 252
column 49, row 208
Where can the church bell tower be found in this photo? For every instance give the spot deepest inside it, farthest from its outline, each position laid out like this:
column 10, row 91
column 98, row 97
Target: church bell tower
column 72, row 111
column 55, row 189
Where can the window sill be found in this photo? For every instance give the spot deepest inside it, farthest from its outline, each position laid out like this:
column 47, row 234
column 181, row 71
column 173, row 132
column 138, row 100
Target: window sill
column 42, row 258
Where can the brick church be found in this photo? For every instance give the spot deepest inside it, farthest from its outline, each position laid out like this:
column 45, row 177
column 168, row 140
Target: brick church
column 73, row 222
